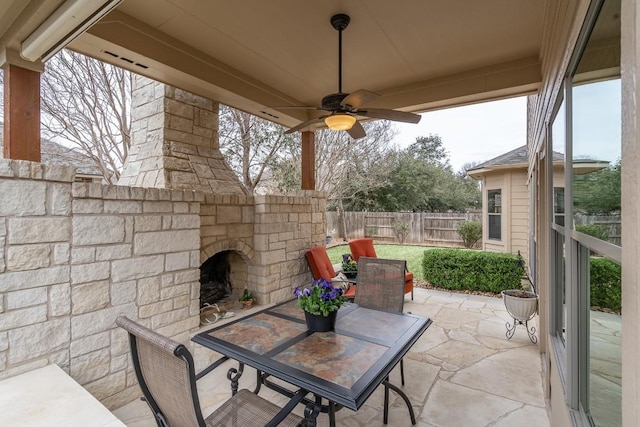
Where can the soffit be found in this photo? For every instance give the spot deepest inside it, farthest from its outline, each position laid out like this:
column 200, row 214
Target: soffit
column 255, row 54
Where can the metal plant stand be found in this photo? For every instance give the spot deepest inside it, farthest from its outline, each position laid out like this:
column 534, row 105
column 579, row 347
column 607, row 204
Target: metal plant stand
column 521, row 304
column 522, row 309
column 531, row 331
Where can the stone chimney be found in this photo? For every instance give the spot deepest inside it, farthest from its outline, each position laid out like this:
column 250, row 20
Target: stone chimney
column 174, row 142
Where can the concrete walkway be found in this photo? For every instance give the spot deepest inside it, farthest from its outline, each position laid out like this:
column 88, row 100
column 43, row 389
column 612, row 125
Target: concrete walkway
column 462, row 372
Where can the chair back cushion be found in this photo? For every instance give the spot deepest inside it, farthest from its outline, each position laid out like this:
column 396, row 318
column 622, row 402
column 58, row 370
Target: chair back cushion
column 165, row 372
column 320, row 264
column 362, row 247
column 381, row 283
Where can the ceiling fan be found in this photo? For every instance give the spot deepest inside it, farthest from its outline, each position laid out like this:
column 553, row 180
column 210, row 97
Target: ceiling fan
column 344, row 107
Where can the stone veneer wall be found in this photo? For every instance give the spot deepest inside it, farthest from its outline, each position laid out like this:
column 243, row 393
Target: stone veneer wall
column 74, row 256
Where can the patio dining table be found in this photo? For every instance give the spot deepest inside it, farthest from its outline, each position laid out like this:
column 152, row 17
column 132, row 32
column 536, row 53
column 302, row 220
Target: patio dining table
column 344, row 366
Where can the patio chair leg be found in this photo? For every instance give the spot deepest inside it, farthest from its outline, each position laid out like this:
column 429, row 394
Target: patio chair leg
column 402, row 371
column 156, row 416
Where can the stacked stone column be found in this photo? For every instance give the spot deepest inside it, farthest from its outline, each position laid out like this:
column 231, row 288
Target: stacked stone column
column 174, row 142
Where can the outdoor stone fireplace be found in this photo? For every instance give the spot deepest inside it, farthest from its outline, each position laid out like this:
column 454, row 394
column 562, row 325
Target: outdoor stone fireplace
column 175, row 145
column 74, row 256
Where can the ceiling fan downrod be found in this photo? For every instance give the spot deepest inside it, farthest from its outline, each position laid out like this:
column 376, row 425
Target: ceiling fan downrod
column 340, row 22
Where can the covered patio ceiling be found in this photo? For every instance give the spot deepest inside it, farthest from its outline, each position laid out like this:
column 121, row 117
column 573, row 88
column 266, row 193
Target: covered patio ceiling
column 255, row 54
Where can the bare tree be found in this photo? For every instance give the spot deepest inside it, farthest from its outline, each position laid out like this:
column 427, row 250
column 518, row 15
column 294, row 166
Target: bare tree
column 86, row 103
column 344, row 166
column 338, row 157
column 467, row 166
column 251, row 145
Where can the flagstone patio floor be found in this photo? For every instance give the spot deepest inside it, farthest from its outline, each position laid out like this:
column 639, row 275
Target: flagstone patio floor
column 462, row 372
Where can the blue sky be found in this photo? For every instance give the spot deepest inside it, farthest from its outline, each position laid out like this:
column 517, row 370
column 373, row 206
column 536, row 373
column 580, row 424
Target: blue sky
column 483, row 131
column 597, row 129
column 471, row 133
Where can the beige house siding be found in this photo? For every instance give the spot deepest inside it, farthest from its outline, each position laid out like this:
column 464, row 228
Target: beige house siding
column 519, row 213
column 515, row 208
column 515, row 211
column 558, row 177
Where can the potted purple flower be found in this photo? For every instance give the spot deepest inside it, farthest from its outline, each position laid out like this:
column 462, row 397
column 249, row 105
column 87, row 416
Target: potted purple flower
column 320, row 302
column 349, row 266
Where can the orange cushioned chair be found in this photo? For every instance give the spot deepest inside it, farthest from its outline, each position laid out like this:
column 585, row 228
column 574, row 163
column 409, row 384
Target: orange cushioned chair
column 321, row 267
column 364, row 247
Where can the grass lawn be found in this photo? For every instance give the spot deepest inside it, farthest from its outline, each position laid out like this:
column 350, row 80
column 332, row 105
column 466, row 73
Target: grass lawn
column 411, row 254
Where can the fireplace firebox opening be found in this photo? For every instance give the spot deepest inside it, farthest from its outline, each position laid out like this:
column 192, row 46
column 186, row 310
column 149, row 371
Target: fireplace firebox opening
column 222, row 278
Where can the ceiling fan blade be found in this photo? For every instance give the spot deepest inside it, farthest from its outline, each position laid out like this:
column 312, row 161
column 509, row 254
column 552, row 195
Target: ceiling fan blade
column 395, row 115
column 357, row 131
column 305, row 124
column 358, row 99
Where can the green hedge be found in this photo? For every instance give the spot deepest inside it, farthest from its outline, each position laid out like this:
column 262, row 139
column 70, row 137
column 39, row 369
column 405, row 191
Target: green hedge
column 457, row 269
column 606, row 284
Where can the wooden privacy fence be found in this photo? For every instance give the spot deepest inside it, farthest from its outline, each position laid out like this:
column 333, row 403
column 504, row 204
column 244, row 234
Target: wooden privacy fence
column 424, row 228
column 610, row 223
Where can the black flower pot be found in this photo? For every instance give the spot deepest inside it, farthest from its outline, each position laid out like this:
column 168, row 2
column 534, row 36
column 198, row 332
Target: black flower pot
column 320, row 323
column 350, row 274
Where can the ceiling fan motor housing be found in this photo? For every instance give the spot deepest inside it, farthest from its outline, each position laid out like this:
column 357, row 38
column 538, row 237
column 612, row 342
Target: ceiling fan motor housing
column 340, row 21
column 332, row 102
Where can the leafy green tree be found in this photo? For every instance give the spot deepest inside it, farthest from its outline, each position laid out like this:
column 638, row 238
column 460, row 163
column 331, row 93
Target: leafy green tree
column 429, row 149
column 415, row 185
column 421, row 179
column 467, row 192
column 598, row 193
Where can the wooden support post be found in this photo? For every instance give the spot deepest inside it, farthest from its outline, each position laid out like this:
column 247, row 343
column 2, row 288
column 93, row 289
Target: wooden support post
column 21, row 113
column 308, row 161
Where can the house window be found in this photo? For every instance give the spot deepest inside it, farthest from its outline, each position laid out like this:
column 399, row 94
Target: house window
column 580, row 288
column 495, row 214
column 558, row 205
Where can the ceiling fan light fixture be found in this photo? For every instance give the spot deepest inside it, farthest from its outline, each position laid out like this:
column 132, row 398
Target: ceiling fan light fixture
column 340, row 121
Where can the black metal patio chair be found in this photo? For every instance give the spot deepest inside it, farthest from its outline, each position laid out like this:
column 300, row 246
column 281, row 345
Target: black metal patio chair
column 165, row 372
